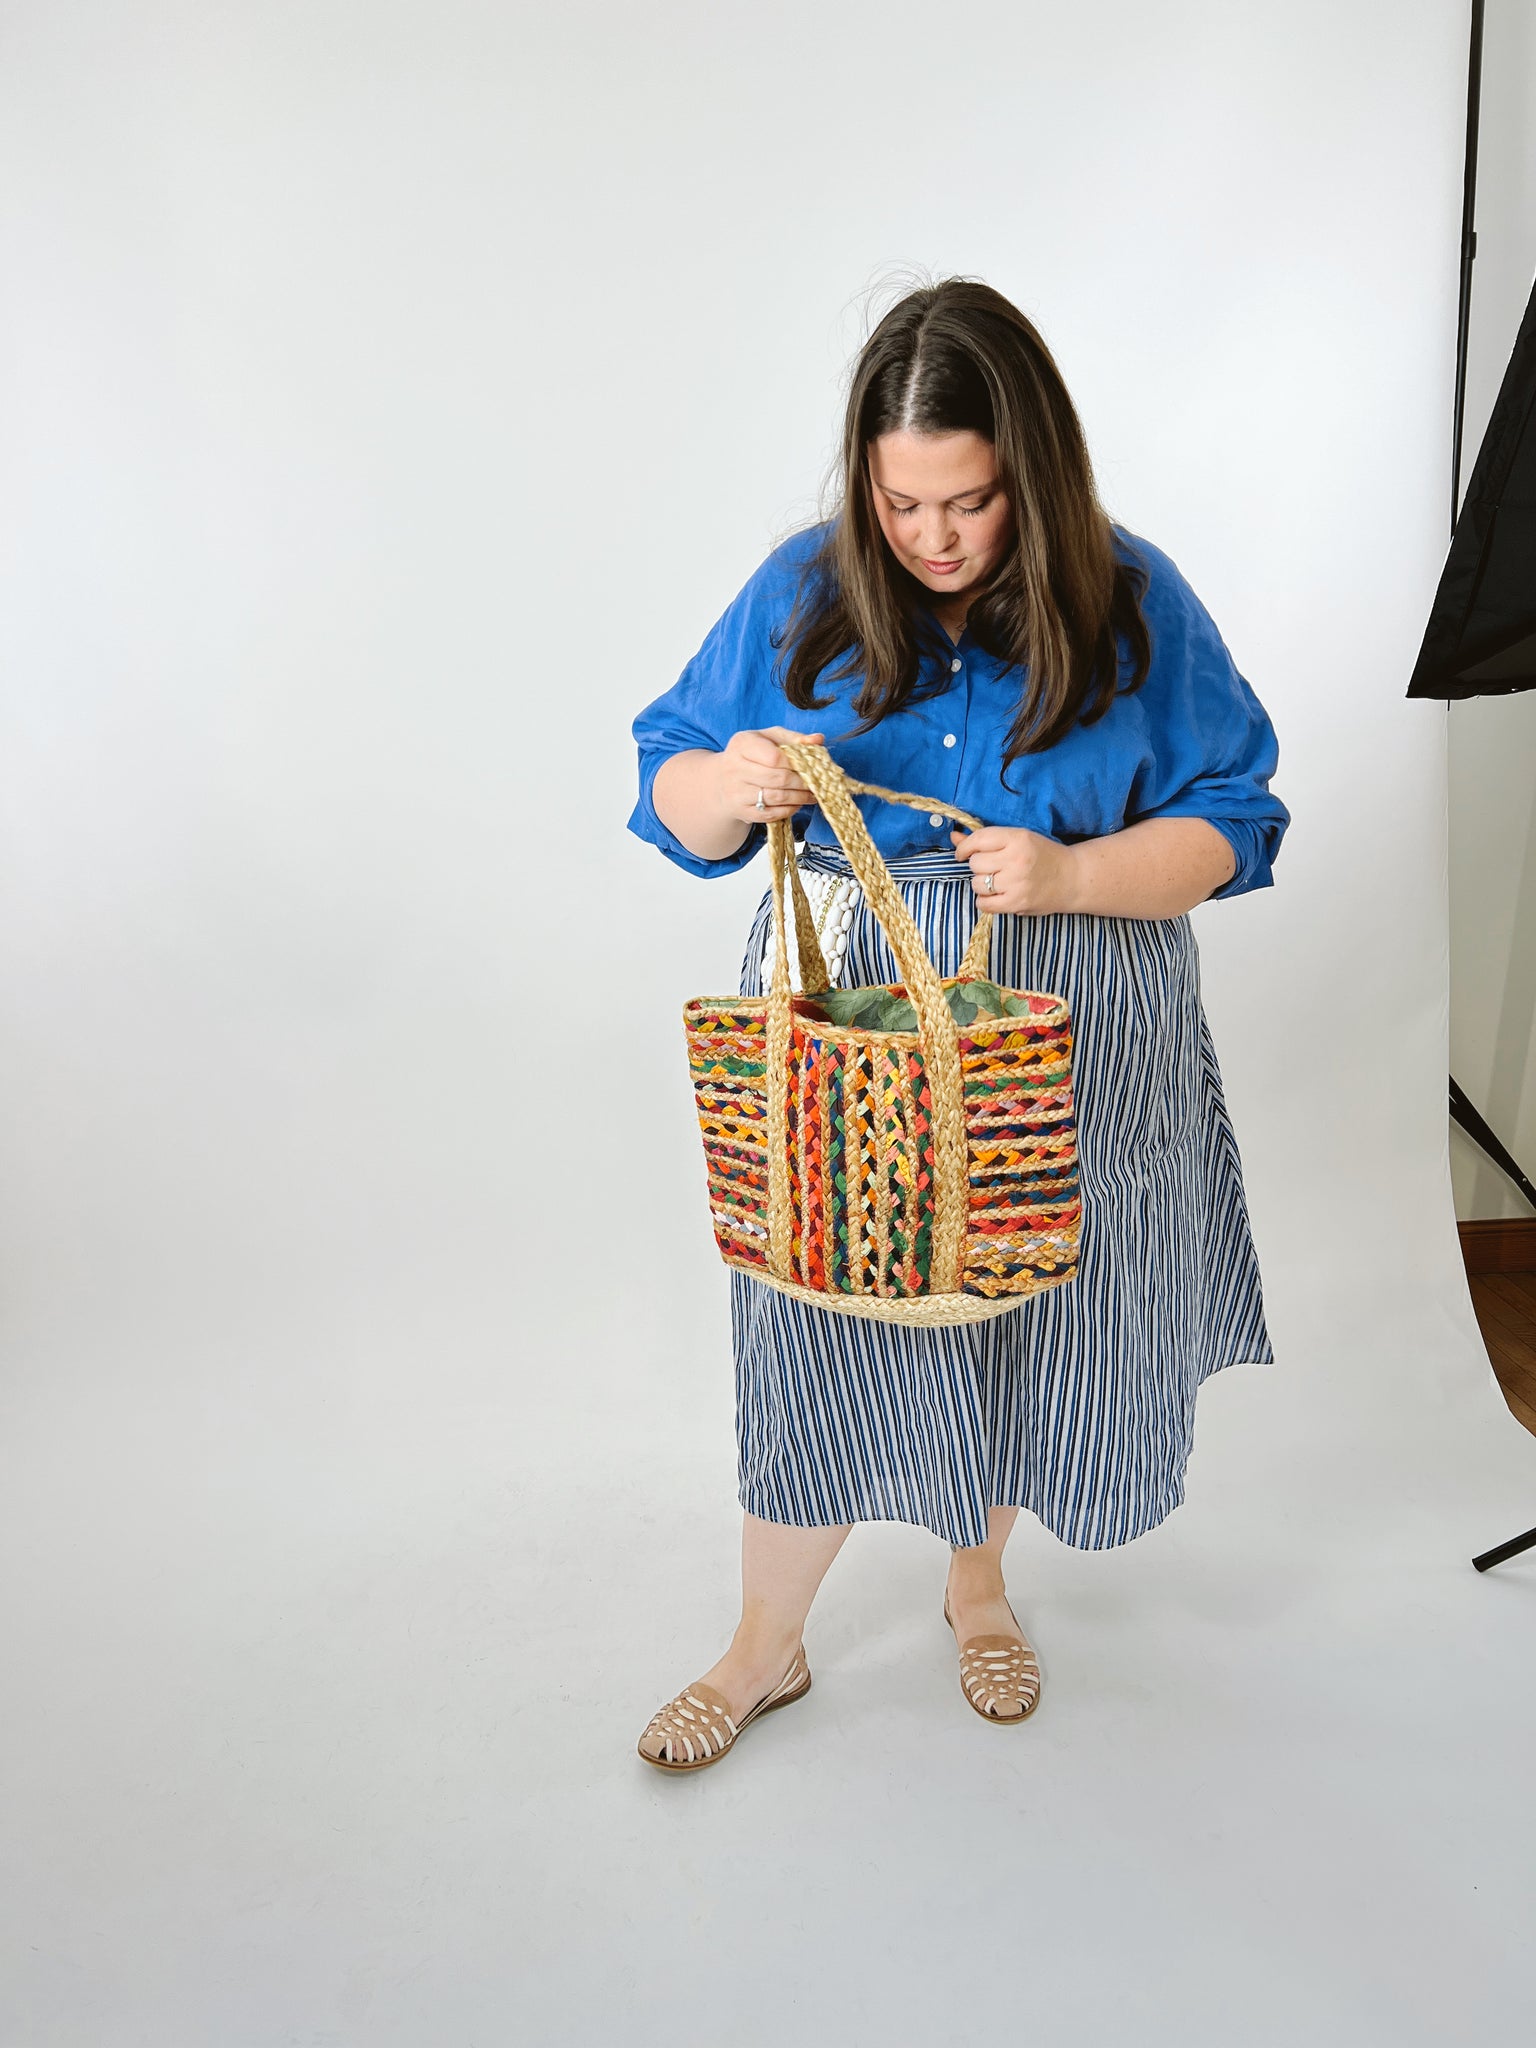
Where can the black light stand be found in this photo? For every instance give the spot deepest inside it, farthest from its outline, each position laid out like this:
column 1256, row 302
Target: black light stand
column 1468, row 250
column 1489, row 1140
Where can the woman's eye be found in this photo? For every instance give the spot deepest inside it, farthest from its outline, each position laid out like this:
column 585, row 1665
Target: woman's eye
column 965, row 511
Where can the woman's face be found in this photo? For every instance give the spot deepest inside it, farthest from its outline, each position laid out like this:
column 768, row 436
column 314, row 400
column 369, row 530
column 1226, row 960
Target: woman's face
column 941, row 507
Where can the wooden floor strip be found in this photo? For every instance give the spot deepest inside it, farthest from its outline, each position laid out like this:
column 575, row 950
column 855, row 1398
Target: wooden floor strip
column 1515, row 1335
column 1518, row 1289
column 1500, row 1245
column 1513, row 1378
column 1505, row 1305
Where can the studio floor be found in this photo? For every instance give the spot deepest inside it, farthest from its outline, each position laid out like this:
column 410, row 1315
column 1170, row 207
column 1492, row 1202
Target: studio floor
column 1505, row 1305
column 326, row 1736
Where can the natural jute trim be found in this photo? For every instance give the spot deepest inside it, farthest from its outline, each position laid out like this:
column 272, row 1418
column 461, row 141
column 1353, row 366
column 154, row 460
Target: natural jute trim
column 917, row 1308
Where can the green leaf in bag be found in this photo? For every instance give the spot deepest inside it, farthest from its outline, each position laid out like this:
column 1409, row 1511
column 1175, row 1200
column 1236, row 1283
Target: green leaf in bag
column 876, row 1009
column 991, row 1001
column 985, row 999
column 870, row 1009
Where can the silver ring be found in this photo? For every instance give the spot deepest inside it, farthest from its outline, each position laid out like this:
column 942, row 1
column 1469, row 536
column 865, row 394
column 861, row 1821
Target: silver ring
column 987, row 885
column 759, row 805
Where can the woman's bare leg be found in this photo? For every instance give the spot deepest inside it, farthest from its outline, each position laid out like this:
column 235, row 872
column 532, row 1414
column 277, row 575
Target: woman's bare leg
column 781, row 1568
column 978, row 1603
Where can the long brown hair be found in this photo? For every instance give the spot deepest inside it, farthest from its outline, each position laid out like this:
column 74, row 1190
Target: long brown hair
column 952, row 357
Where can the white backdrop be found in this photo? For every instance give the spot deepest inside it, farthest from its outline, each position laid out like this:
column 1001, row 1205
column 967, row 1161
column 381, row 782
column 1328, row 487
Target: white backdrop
column 392, row 397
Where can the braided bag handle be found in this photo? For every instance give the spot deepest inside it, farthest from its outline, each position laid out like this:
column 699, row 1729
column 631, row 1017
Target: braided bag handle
column 937, row 1030
column 813, row 962
column 978, row 952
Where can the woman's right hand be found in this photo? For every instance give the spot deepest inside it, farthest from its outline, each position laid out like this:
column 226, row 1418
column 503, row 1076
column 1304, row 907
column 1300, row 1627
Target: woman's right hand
column 709, row 799
column 751, row 762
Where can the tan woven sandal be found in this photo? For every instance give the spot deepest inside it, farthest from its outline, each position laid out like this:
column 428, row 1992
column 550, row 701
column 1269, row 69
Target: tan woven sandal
column 696, row 1728
column 999, row 1676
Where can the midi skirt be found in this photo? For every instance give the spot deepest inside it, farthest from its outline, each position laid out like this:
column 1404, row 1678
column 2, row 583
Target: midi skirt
column 1080, row 1404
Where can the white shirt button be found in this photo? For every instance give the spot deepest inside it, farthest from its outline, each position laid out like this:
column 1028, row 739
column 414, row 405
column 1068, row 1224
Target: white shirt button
column 935, row 817
column 949, row 739
column 954, row 666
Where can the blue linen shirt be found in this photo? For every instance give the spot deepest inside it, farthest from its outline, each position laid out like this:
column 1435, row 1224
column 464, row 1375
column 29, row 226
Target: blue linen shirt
column 1192, row 742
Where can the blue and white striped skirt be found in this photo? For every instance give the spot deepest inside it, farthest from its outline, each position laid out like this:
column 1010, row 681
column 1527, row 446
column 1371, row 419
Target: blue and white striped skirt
column 1080, row 1404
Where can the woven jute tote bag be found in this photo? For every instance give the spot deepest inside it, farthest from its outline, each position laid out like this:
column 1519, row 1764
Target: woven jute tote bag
column 920, row 1176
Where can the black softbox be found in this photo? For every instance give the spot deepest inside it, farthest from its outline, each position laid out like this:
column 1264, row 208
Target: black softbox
column 1481, row 637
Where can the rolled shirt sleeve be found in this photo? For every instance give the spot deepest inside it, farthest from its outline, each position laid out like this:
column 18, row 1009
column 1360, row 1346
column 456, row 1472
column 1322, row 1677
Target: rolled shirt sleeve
column 729, row 686
column 1210, row 749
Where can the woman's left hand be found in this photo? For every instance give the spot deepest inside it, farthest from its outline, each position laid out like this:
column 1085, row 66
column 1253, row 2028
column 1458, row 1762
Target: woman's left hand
column 1031, row 876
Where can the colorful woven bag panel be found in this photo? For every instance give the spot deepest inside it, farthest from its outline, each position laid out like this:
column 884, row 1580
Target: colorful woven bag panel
column 727, row 1050
column 1021, row 1135
column 858, row 1115
column 858, row 1121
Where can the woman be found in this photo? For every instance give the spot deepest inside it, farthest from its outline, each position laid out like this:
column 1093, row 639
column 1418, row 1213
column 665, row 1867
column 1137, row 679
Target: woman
column 970, row 626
